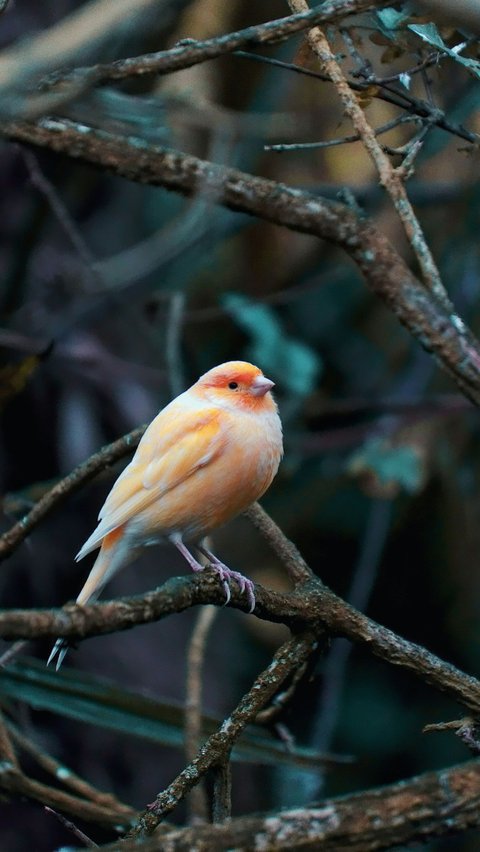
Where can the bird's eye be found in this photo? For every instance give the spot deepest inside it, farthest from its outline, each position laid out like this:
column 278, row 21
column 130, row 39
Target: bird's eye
column 233, row 385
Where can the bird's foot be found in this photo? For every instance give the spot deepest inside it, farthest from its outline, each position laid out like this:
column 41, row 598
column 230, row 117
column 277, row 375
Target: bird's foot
column 227, row 575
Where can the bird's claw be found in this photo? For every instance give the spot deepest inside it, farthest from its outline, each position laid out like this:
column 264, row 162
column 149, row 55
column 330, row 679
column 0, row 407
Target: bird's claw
column 245, row 585
column 227, row 591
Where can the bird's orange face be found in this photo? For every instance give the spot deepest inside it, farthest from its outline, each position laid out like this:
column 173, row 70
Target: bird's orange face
column 241, row 382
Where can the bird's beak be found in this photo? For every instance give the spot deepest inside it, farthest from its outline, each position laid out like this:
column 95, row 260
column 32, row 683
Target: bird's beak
column 261, row 385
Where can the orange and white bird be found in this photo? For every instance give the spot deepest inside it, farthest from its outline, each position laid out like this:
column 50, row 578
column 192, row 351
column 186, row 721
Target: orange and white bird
column 206, row 457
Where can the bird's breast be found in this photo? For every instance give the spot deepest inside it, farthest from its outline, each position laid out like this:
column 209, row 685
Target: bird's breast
column 226, row 485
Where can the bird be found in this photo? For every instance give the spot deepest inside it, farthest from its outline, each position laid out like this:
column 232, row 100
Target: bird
column 208, row 455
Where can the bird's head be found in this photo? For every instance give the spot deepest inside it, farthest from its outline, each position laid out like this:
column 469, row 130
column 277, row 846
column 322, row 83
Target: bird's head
column 238, row 383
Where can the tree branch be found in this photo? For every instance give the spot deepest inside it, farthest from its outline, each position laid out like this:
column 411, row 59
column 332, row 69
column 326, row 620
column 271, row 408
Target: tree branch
column 198, row 803
column 313, row 605
column 431, row 805
column 14, row 782
column 437, row 329
column 78, row 786
column 190, row 52
column 415, row 107
column 390, row 178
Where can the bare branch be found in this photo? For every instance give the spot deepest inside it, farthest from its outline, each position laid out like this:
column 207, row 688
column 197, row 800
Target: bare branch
column 428, row 319
column 313, row 604
column 281, row 147
column 198, row 805
column 173, row 342
column 222, row 792
column 62, row 773
column 16, row 783
column 45, row 187
column 189, row 52
column 70, row 826
column 432, row 805
column 7, row 752
column 390, row 178
column 404, row 100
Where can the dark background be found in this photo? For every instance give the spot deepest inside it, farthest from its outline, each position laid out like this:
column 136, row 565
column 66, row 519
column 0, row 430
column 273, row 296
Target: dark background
column 379, row 486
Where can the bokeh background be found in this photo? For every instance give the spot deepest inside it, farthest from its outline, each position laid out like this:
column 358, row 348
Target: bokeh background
column 127, row 293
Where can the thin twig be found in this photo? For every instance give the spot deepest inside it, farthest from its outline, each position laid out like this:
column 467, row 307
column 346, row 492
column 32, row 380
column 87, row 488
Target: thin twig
column 173, row 343
column 70, row 826
column 58, row 208
column 280, row 701
column 15, row 783
column 390, row 178
column 7, row 752
column 466, row 729
column 330, row 143
column 335, row 668
column 12, row 652
column 222, row 791
column 198, row 805
column 386, row 93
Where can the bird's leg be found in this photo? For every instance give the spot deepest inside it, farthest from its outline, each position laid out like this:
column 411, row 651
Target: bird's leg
column 196, row 566
column 226, row 574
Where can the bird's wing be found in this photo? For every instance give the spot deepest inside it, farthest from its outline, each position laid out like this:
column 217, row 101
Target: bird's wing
column 171, row 450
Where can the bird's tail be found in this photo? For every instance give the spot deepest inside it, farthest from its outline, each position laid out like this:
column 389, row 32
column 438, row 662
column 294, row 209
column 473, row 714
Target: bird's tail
column 112, row 557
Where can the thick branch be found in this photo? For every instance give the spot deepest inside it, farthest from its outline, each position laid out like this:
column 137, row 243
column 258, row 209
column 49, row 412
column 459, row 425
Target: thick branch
column 438, row 330
column 431, row 805
column 313, row 605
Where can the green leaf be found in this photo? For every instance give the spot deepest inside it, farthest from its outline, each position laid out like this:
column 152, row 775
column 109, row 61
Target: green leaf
column 430, row 34
column 97, row 702
column 390, row 19
column 398, row 465
column 295, row 365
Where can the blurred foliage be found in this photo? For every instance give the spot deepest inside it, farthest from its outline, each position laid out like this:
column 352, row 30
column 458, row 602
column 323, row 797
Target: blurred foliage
column 367, row 415
column 289, row 360
column 96, row 702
